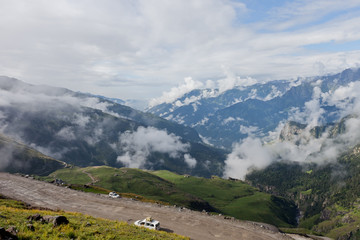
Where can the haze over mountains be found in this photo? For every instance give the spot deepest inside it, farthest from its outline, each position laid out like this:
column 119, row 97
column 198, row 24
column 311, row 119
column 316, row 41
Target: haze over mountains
column 299, row 140
column 85, row 130
column 223, row 117
column 243, row 118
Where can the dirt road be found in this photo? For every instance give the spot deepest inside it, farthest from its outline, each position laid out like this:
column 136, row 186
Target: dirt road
column 195, row 225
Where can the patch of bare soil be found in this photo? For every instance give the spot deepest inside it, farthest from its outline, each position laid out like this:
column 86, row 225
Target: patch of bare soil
column 195, row 225
column 93, row 179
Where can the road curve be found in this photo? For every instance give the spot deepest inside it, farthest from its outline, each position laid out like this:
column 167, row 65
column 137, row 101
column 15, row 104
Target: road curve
column 196, row 225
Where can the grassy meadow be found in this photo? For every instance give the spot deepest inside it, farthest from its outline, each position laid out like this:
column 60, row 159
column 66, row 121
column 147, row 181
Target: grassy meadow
column 14, row 214
column 232, row 198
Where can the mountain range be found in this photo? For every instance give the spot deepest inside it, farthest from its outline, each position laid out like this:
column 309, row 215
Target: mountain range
column 85, row 131
column 295, row 139
column 222, row 118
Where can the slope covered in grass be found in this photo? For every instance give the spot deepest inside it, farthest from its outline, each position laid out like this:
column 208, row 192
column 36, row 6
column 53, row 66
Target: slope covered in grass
column 328, row 194
column 233, row 198
column 14, row 214
column 236, row 198
column 18, row 158
column 134, row 181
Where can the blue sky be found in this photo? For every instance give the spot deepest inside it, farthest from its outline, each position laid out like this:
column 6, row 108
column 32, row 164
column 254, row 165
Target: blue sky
column 141, row 49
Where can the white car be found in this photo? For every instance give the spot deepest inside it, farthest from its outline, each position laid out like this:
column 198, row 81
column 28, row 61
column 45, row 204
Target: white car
column 114, row 195
column 148, row 223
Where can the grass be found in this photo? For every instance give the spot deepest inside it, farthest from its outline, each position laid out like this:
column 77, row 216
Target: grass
column 27, row 160
column 133, row 183
column 300, row 231
column 218, row 191
column 80, row 226
column 73, row 175
column 233, row 198
column 344, row 221
column 308, row 223
column 307, row 192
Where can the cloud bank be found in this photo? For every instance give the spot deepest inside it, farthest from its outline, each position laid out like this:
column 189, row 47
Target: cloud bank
column 209, row 89
column 6, row 156
column 138, row 145
column 300, row 144
column 176, row 92
column 141, row 48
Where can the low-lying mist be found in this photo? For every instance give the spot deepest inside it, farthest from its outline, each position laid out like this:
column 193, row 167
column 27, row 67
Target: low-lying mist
column 81, row 129
column 302, row 144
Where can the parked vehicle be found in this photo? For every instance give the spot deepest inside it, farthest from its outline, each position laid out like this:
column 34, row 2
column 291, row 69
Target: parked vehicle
column 114, row 195
column 148, row 223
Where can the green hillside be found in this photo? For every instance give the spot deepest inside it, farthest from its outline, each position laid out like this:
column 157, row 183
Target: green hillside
column 15, row 215
column 233, row 198
column 18, row 158
column 127, row 180
column 236, row 198
column 328, row 195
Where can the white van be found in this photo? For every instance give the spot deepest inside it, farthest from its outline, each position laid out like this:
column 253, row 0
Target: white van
column 148, row 223
column 114, row 195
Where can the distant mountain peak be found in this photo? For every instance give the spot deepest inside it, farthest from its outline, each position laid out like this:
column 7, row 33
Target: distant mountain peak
column 261, row 105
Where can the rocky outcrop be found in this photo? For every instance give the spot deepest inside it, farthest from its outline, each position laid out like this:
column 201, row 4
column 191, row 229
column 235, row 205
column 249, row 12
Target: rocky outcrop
column 5, row 235
column 291, row 130
column 55, row 220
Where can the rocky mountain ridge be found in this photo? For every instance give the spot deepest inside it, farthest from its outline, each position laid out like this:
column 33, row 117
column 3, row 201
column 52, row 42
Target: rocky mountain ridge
column 230, row 116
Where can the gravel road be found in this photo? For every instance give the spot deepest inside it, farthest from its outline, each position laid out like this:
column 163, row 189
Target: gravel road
column 196, row 225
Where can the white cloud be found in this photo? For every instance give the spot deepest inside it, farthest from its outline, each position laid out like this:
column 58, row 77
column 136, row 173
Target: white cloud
column 190, row 161
column 248, row 130
column 66, row 133
column 176, row 92
column 346, row 98
column 6, row 156
column 312, row 113
column 95, row 103
column 304, row 11
column 302, row 146
column 81, row 120
column 313, row 110
column 142, row 48
column 273, row 94
column 95, row 137
column 231, row 81
column 227, row 120
column 246, row 155
column 138, row 145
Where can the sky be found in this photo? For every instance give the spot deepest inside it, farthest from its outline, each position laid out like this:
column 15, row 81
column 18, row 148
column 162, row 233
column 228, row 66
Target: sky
column 140, row 49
